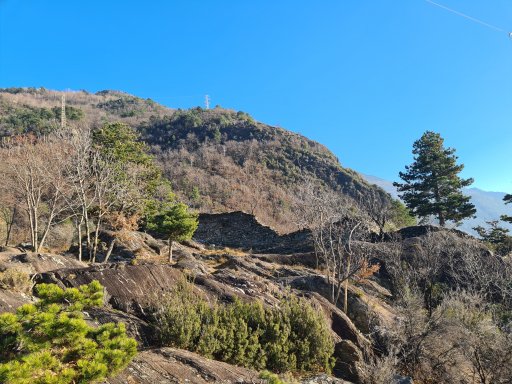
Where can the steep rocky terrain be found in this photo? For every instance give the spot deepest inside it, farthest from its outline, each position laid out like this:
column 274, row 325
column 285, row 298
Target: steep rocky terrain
column 242, row 176
column 137, row 278
column 221, row 274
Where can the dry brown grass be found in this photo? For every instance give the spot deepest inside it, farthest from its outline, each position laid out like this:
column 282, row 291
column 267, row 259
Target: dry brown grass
column 13, row 279
column 87, row 102
column 224, row 251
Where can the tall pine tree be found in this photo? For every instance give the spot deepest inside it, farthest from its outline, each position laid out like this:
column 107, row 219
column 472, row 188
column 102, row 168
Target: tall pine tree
column 508, row 200
column 431, row 183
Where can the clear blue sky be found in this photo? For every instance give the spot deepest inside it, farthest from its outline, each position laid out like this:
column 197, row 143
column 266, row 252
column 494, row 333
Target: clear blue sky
column 364, row 77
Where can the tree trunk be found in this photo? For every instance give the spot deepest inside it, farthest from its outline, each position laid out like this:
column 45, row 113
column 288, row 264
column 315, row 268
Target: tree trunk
column 79, row 232
column 442, row 222
column 170, row 250
column 92, row 257
column 85, row 217
column 45, row 233
column 33, row 226
column 345, row 293
column 345, row 298
column 437, row 197
column 9, row 226
column 51, row 217
column 35, row 234
column 110, row 249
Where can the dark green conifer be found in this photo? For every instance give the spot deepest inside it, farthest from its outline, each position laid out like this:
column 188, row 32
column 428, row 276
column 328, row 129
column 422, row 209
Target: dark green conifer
column 431, row 183
column 172, row 219
column 508, row 200
column 496, row 237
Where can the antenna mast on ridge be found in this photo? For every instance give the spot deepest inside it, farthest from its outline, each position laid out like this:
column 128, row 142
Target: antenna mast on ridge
column 207, row 101
column 63, row 111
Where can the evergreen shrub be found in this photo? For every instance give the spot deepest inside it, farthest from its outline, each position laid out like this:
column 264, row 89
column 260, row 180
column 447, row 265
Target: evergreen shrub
column 293, row 337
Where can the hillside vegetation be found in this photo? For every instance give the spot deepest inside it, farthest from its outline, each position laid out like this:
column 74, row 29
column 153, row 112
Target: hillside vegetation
column 89, row 213
column 217, row 160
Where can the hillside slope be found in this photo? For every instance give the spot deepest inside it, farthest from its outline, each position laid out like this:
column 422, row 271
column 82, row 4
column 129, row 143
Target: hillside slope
column 218, row 160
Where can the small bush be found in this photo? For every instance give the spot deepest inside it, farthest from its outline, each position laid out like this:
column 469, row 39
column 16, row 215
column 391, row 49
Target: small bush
column 291, row 338
column 271, row 378
column 15, row 280
column 50, row 343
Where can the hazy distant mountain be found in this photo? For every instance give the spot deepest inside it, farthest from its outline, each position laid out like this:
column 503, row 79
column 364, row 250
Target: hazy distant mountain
column 489, row 205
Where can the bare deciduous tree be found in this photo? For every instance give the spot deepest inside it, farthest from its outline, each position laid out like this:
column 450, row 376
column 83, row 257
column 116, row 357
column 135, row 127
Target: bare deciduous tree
column 378, row 207
column 451, row 295
column 36, row 172
column 9, row 209
column 339, row 230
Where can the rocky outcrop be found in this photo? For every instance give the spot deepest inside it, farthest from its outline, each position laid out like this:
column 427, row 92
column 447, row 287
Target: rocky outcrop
column 129, row 288
column 169, row 365
column 9, row 300
column 132, row 288
column 422, row 230
column 136, row 327
column 242, row 230
column 33, row 263
column 27, row 264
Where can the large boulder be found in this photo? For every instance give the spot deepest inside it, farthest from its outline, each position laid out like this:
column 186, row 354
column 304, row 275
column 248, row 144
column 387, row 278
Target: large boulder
column 10, row 300
column 169, row 365
column 32, row 263
column 129, row 288
column 132, row 288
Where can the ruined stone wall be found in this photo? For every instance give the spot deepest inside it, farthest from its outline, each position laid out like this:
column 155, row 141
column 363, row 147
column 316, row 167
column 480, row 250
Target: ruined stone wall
column 242, row 230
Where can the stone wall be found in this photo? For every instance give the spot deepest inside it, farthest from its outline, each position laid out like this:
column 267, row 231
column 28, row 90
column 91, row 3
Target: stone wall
column 242, row 230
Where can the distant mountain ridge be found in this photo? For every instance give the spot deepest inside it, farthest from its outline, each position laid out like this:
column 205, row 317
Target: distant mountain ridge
column 489, row 205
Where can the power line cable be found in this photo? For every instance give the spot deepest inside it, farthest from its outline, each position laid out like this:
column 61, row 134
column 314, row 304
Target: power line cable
column 474, row 19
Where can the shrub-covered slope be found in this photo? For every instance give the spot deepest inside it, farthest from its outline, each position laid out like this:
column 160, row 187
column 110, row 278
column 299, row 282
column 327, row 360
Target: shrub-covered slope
column 217, row 160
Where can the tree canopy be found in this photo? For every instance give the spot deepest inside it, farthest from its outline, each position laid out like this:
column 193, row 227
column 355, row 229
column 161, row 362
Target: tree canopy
column 173, row 220
column 50, row 342
column 431, row 183
column 496, row 237
column 508, row 200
